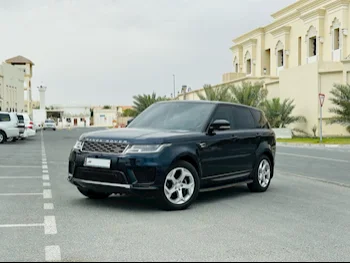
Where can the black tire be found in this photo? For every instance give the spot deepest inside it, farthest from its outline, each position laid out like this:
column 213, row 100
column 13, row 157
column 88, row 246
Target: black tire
column 163, row 201
column 256, row 186
column 93, row 195
column 3, row 137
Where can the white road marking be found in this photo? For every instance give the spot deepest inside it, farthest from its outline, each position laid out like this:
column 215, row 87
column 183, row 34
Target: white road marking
column 52, row 254
column 313, row 157
column 20, row 177
column 21, row 225
column 48, row 206
column 50, row 225
column 19, row 166
column 21, row 194
column 46, row 177
column 45, row 171
column 45, row 167
column 47, row 194
column 46, row 184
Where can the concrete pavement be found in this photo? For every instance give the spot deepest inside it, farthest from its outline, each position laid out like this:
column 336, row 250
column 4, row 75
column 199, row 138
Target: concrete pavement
column 299, row 218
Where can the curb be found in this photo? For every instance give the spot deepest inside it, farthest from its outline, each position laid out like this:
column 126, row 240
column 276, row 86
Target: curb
column 313, row 145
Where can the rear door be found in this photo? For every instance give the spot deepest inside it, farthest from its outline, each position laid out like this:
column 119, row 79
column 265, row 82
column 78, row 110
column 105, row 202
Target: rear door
column 246, row 138
column 19, row 119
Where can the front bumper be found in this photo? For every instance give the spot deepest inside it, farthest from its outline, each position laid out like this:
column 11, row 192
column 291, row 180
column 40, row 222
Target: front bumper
column 126, row 175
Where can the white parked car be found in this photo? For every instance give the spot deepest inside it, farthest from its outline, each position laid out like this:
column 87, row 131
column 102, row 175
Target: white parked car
column 49, row 125
column 9, row 127
column 30, row 130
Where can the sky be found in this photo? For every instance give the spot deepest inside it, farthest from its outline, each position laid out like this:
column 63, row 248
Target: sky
column 104, row 52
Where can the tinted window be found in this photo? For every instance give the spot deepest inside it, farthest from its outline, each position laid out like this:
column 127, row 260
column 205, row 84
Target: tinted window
column 224, row 112
column 243, row 118
column 20, row 118
column 49, row 121
column 174, row 116
column 4, row 117
column 260, row 119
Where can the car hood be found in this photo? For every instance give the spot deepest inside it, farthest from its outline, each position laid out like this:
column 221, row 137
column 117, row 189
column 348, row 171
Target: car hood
column 143, row 136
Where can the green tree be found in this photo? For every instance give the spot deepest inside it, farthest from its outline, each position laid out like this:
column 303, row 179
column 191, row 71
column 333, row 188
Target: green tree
column 142, row 102
column 107, row 107
column 249, row 94
column 211, row 93
column 129, row 113
column 341, row 102
column 279, row 114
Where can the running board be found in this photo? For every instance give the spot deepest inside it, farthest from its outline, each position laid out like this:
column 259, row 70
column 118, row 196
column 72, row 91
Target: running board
column 210, row 189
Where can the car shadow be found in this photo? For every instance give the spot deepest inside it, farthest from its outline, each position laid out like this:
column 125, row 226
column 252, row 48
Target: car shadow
column 139, row 204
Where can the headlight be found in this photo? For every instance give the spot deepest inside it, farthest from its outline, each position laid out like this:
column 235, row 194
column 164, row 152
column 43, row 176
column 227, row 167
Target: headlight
column 78, row 146
column 154, row 148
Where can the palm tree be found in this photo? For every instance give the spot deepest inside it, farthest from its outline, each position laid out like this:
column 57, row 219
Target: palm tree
column 249, row 94
column 215, row 93
column 280, row 114
column 341, row 100
column 142, row 102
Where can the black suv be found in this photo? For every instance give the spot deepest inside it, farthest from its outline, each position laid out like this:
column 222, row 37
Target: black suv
column 174, row 150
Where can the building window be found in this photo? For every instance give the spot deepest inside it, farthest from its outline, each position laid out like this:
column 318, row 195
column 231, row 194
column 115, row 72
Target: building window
column 249, row 66
column 280, row 59
column 336, row 39
column 312, row 46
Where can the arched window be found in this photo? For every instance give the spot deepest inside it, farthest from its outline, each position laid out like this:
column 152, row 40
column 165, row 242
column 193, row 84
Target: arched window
column 336, row 40
column 335, row 32
column 311, row 38
column 248, row 61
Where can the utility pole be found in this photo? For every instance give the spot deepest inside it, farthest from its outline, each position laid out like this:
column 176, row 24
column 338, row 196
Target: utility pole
column 174, row 85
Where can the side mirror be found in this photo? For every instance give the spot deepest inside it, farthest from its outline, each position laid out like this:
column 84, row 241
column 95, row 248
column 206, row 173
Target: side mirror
column 129, row 121
column 219, row 125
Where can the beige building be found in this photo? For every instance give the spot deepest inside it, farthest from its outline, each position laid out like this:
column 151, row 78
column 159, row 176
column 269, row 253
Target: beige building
column 11, row 88
column 26, row 66
column 302, row 53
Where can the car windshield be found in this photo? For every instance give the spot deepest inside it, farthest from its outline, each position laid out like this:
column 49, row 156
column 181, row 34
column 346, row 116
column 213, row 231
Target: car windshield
column 174, row 116
column 49, row 121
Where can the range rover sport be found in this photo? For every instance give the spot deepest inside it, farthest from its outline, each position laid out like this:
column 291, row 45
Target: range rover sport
column 174, row 150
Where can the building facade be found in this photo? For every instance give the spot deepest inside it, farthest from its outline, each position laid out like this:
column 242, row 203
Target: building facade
column 11, row 88
column 26, row 66
column 70, row 116
column 302, row 53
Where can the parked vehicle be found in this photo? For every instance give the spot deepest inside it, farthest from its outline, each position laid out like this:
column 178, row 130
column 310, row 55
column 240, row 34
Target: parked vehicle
column 9, row 127
column 30, row 130
column 49, row 125
column 174, row 150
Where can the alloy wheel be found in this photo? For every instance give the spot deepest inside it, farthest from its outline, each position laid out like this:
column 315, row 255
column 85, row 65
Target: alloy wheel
column 179, row 186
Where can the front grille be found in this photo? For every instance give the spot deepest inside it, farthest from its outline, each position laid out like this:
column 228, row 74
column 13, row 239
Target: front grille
column 116, row 177
column 104, row 147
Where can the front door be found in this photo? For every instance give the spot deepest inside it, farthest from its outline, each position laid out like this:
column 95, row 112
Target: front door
column 230, row 153
column 75, row 122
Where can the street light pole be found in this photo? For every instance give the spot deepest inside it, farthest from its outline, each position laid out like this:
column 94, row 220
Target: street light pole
column 174, row 84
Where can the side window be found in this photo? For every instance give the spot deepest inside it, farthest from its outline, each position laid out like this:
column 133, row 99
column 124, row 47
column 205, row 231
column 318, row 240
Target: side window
column 260, row 119
column 224, row 112
column 4, row 117
column 243, row 118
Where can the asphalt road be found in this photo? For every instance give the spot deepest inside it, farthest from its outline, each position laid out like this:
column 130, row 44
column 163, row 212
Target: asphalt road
column 305, row 215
